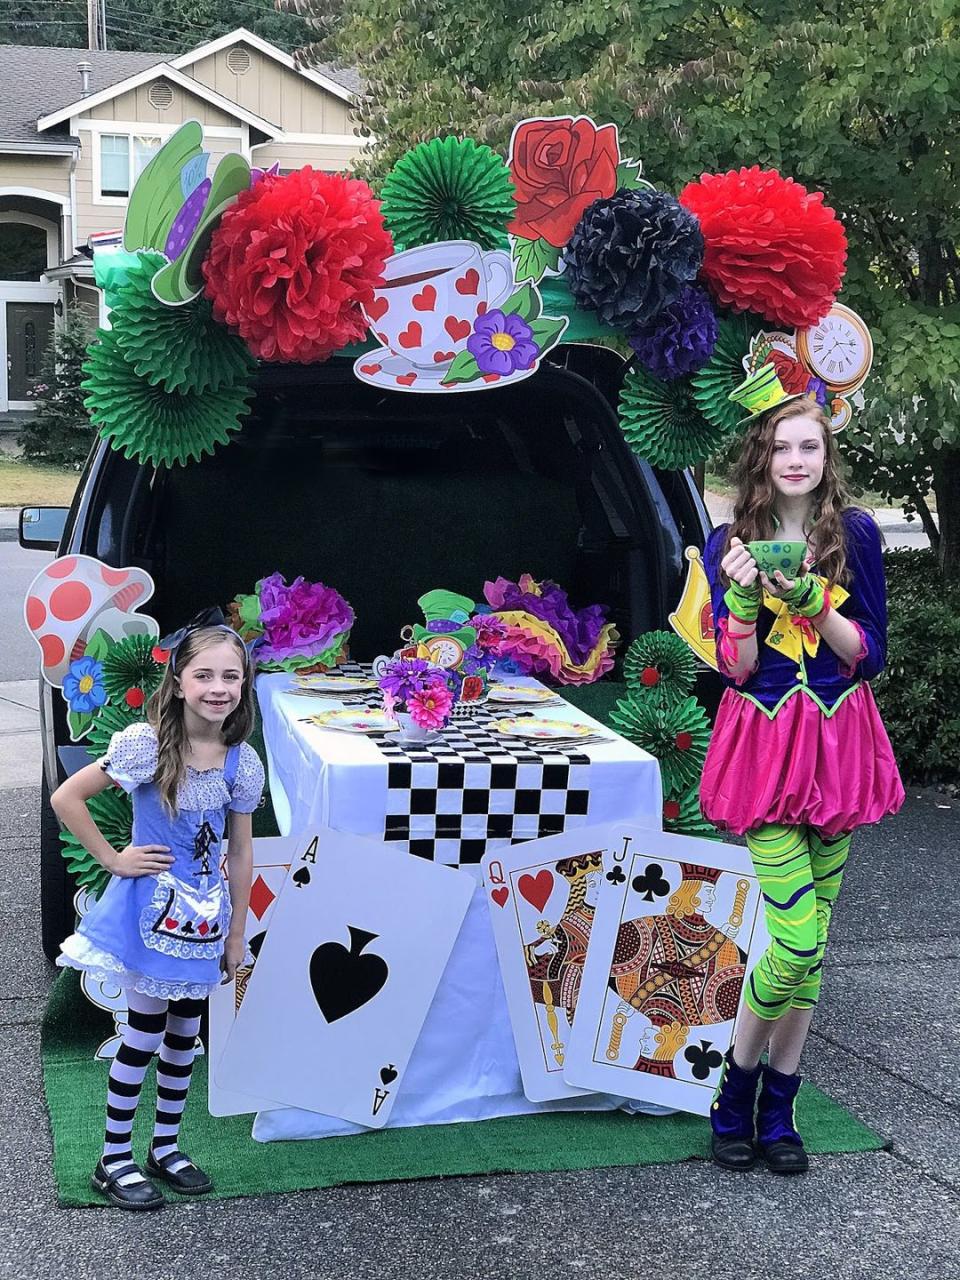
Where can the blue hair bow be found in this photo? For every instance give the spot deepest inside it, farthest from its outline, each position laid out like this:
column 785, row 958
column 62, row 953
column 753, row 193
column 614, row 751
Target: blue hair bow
column 202, row 621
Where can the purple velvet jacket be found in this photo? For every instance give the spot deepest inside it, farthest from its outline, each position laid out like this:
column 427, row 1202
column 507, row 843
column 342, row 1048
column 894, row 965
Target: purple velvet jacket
column 825, row 675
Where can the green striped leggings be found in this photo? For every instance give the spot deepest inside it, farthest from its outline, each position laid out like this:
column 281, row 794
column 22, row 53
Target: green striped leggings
column 799, row 872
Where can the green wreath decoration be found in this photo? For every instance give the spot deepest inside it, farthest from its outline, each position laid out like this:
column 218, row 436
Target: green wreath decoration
column 150, row 424
column 662, row 423
column 723, row 371
column 659, row 665
column 179, row 348
column 448, row 189
column 112, row 811
column 129, row 664
column 677, row 735
column 681, row 813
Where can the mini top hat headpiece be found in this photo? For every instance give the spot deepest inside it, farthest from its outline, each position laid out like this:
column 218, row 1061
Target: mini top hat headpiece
column 761, row 390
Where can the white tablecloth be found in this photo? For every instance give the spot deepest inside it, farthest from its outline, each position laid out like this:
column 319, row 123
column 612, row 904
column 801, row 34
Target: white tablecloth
column 464, row 1066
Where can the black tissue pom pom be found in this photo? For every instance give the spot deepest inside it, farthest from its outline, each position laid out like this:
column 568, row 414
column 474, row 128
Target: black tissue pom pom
column 631, row 255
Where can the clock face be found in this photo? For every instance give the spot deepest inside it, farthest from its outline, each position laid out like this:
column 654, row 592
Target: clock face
column 444, row 651
column 839, row 349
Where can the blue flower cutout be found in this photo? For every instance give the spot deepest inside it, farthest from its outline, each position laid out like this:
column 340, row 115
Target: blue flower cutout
column 83, row 686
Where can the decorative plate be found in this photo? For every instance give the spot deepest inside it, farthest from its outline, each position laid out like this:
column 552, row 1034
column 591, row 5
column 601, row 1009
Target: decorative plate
column 335, row 684
column 521, row 693
column 540, row 728
column 358, row 720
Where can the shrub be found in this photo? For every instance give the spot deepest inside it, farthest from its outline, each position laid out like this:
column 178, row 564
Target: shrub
column 60, row 431
column 919, row 691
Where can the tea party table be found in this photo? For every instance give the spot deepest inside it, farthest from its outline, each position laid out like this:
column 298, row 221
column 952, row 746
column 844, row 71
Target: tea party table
column 471, row 790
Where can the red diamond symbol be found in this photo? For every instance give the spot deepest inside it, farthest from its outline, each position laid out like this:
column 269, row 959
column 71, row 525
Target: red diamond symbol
column 261, row 895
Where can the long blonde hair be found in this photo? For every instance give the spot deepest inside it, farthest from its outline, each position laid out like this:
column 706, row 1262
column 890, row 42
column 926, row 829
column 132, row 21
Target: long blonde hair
column 165, row 711
column 753, row 512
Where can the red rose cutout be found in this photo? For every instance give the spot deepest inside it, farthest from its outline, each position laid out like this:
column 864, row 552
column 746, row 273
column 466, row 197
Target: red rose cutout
column 559, row 168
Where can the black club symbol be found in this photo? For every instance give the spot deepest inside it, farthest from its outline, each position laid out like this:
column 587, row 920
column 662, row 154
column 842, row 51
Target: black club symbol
column 651, row 884
column 703, row 1060
column 616, row 876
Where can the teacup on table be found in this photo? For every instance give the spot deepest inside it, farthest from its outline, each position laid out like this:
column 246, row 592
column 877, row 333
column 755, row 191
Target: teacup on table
column 774, row 555
column 426, row 307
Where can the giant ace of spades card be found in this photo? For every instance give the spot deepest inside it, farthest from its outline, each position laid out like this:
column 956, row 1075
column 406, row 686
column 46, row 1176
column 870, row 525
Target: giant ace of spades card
column 542, row 895
column 354, row 953
column 678, row 926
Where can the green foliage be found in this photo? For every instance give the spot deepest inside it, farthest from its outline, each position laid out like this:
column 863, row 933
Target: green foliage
column 60, row 431
column 919, row 691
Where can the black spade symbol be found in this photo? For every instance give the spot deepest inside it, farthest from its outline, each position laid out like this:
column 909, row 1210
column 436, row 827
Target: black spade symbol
column 255, row 943
column 703, row 1060
column 343, row 981
column 616, row 876
column 388, row 1074
column 651, row 884
column 301, row 877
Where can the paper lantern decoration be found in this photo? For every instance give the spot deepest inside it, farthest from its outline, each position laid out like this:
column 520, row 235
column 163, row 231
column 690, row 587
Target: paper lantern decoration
column 74, row 596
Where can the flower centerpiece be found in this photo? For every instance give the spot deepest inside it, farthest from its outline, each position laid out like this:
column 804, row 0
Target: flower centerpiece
column 418, row 695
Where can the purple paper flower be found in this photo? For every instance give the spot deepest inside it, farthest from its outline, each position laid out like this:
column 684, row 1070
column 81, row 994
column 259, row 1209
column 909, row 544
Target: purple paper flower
column 302, row 620
column 501, row 344
column 679, row 339
column 406, row 676
column 579, row 629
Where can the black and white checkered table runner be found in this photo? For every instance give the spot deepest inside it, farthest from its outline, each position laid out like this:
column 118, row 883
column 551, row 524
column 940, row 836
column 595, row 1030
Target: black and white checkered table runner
column 472, row 791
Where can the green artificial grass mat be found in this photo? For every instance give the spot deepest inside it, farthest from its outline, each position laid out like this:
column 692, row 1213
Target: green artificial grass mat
column 75, row 1085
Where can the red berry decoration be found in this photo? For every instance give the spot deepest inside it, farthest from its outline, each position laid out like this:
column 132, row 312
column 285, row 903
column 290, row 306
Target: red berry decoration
column 160, row 655
column 771, row 246
column 671, row 810
column 293, row 260
column 684, row 741
column 650, row 677
column 134, row 698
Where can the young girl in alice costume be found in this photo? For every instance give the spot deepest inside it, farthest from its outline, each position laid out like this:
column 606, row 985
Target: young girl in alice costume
column 799, row 756
column 165, row 928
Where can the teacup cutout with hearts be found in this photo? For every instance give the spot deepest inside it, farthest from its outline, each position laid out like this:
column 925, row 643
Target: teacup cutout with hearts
column 425, row 309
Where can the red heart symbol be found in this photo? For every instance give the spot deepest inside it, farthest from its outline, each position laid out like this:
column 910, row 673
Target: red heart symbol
column 378, row 308
column 426, row 299
column 370, row 368
column 406, row 379
column 500, row 896
column 384, row 339
column 470, row 283
column 171, row 924
column 481, row 308
column 412, row 335
column 457, row 329
column 441, row 357
column 536, row 889
column 203, row 928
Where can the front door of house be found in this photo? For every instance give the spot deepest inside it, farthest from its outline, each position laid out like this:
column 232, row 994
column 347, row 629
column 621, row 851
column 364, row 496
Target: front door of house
column 29, row 333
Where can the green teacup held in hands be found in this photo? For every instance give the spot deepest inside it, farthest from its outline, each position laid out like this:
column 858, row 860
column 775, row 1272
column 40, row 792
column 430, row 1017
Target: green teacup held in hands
column 785, row 556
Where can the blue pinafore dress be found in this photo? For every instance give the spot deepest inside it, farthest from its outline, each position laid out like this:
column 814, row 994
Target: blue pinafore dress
column 163, row 934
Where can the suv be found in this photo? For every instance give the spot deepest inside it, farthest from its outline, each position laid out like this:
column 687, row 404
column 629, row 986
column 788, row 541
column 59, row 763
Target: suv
column 384, row 495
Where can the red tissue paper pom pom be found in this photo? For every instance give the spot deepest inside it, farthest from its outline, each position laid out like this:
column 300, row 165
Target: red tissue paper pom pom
column 292, row 261
column 772, row 247
column 683, row 741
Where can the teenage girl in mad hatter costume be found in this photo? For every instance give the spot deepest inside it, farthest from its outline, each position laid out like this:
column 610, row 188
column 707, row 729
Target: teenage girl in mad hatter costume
column 799, row 756
column 165, row 928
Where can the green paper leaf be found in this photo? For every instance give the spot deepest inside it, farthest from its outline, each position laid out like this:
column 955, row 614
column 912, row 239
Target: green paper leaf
column 628, row 177
column 463, row 369
column 525, row 303
column 547, row 332
column 97, row 646
column 533, row 259
column 79, row 722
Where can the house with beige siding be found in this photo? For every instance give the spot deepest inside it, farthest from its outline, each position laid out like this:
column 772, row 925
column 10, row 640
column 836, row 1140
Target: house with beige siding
column 77, row 127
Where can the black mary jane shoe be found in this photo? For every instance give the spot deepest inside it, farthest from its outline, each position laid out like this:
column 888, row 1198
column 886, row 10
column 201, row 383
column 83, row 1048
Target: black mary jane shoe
column 138, row 1195
column 733, row 1153
column 186, row 1181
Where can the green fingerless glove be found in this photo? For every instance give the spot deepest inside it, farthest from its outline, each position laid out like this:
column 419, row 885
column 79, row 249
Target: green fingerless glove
column 744, row 602
column 806, row 597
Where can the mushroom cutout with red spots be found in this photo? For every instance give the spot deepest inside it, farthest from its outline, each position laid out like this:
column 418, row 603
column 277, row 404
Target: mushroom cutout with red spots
column 75, row 596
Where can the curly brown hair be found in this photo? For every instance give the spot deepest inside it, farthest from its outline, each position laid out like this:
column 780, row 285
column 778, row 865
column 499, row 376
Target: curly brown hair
column 165, row 712
column 753, row 512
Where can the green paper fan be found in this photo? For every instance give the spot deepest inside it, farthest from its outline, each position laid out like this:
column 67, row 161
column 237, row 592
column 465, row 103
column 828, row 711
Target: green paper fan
column 108, row 721
column 112, row 811
column 659, row 665
column 689, row 821
column 178, row 348
column 723, row 371
column 661, row 421
column 150, row 424
column 448, row 189
column 130, row 664
column 676, row 735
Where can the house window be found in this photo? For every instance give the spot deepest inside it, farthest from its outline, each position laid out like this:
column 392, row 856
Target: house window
column 122, row 160
column 23, row 251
